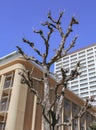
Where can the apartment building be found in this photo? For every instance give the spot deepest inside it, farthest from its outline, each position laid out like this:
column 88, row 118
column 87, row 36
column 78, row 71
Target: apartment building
column 85, row 84
column 18, row 107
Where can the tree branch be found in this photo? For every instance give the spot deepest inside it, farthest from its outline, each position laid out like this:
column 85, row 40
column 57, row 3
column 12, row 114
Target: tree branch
column 43, row 112
column 30, row 58
column 46, row 41
column 55, row 21
column 71, row 44
column 41, row 34
column 31, row 44
column 59, row 55
column 74, row 73
column 85, row 107
column 69, row 30
column 63, row 124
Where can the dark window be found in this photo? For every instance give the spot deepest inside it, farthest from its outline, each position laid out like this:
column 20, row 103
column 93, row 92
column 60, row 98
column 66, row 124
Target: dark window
column 8, row 81
column 3, row 105
column 74, row 114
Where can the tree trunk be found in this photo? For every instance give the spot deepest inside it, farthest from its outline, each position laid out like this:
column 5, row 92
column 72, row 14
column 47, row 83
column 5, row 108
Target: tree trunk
column 46, row 98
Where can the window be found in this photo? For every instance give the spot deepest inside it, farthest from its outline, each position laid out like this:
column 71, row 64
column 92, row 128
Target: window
column 93, row 87
column 88, row 120
column 74, row 82
column 93, row 92
column 75, row 59
column 93, row 118
column 74, row 87
column 82, row 56
column 82, row 123
column 90, row 53
column 75, row 91
column 84, row 94
column 81, row 53
column 83, row 76
column 91, row 49
column 91, row 65
column 57, row 67
column 92, row 74
column 90, row 57
column 65, row 65
column 91, row 61
column 67, row 112
column 84, row 89
column 72, row 56
column 92, row 78
column 83, row 85
column 58, row 71
column 3, row 105
column 83, row 67
column 91, row 70
column 67, row 109
column 66, row 59
column 8, row 81
column 59, row 64
column 67, row 104
column 83, row 80
column 83, row 64
column 92, row 83
column 75, row 109
column 83, row 72
column 83, row 60
column 73, row 64
column 59, row 60
column 2, row 126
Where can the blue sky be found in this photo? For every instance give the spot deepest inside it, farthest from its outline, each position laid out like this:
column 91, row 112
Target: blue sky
column 19, row 17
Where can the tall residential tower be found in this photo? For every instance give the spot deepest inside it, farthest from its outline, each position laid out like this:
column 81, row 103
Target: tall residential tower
column 85, row 84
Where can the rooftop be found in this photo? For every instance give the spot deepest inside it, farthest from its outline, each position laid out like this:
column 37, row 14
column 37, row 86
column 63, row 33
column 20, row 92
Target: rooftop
column 10, row 56
column 81, row 49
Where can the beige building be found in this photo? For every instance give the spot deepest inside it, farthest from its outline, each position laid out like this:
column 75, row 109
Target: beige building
column 18, row 108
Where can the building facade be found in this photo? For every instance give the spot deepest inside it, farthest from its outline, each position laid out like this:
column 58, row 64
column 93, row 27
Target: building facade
column 85, row 84
column 18, row 105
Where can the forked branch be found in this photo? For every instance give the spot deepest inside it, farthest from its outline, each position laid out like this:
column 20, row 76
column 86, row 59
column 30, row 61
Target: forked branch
column 30, row 58
column 61, row 48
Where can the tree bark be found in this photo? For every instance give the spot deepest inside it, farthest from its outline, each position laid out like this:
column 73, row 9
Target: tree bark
column 46, row 101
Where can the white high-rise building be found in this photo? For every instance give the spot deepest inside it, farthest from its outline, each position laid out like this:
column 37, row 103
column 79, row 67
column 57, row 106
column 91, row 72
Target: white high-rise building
column 85, row 84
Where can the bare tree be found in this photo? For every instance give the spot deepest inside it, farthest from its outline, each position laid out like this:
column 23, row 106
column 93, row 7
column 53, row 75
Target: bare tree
column 51, row 111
